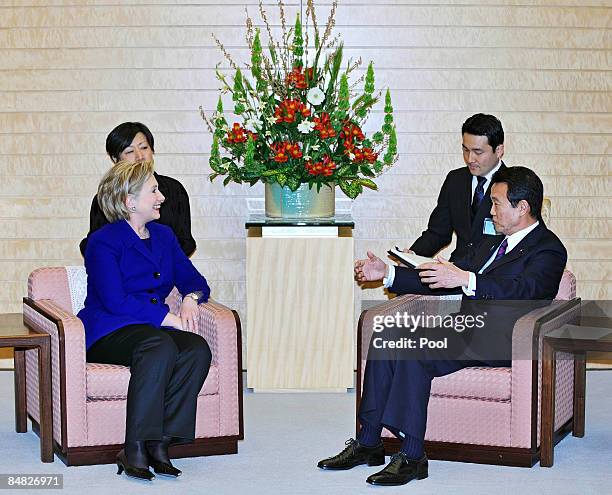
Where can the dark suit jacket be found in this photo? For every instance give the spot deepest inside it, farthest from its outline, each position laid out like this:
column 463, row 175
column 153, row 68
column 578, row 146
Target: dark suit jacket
column 174, row 212
column 453, row 213
column 507, row 289
column 127, row 283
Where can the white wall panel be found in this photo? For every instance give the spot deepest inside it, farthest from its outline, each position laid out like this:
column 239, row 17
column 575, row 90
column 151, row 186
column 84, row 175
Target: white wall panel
column 73, row 69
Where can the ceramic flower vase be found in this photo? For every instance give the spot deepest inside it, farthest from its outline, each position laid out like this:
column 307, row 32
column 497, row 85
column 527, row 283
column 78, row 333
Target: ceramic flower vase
column 282, row 202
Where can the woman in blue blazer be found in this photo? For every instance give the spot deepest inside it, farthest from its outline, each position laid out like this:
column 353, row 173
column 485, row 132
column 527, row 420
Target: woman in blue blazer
column 132, row 265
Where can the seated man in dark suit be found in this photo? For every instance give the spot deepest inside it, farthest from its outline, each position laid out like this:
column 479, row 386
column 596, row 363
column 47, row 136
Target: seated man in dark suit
column 525, row 264
column 464, row 201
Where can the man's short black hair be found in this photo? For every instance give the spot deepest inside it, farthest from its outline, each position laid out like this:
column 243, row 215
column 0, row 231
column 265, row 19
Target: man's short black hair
column 482, row 124
column 122, row 136
column 523, row 183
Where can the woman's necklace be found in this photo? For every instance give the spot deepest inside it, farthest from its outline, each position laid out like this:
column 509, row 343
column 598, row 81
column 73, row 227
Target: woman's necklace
column 144, row 234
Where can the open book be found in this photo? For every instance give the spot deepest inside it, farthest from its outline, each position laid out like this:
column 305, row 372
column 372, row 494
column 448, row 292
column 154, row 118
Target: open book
column 410, row 259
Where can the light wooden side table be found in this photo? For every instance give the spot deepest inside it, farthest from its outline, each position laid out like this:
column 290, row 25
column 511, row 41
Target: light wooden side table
column 300, row 306
column 577, row 340
column 13, row 333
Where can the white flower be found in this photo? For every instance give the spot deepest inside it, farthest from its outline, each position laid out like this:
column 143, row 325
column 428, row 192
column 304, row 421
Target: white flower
column 305, row 126
column 315, row 96
column 315, row 147
column 271, row 120
column 251, row 124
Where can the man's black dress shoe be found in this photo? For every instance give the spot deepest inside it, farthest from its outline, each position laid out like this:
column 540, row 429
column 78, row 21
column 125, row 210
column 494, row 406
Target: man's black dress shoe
column 400, row 471
column 132, row 471
column 353, row 455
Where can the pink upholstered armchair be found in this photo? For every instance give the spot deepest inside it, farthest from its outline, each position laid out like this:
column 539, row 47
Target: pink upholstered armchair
column 89, row 399
column 489, row 415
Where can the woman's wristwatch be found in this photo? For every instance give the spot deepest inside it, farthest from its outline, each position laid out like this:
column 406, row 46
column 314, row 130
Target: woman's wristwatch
column 196, row 296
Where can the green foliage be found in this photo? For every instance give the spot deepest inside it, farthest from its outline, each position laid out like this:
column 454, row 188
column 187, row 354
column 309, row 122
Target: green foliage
column 273, row 55
column 215, row 157
column 333, row 64
column 298, row 41
column 250, row 164
column 256, row 56
column 391, row 148
column 388, row 125
column 256, row 61
column 369, row 80
column 239, row 94
column 343, row 94
column 293, row 182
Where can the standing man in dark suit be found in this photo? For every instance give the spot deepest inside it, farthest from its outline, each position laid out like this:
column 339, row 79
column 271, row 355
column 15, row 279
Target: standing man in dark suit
column 464, row 201
column 525, row 264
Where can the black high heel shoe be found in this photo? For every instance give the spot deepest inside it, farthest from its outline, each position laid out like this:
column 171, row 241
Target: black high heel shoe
column 159, row 459
column 132, row 471
column 165, row 469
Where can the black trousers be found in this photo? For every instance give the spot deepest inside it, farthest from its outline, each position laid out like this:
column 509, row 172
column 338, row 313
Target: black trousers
column 167, row 370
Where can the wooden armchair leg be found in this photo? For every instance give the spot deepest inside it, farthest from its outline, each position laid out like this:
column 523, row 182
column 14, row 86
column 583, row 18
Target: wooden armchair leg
column 579, row 394
column 45, row 402
column 548, row 406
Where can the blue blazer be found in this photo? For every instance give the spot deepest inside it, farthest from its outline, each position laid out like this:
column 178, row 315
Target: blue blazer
column 127, row 283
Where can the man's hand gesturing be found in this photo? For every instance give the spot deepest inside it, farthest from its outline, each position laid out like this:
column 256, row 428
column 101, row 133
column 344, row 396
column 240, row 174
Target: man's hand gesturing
column 370, row 269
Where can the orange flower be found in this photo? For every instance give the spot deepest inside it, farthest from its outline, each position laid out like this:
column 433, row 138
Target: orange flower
column 364, row 154
column 293, row 150
column 285, row 150
column 352, row 131
column 297, row 78
column 286, row 111
column 237, row 134
column 349, row 147
column 323, row 125
column 369, row 155
column 329, row 165
column 326, row 167
column 279, row 151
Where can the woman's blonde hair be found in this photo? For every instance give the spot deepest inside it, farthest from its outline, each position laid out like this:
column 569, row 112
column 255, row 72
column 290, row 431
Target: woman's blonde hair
column 122, row 179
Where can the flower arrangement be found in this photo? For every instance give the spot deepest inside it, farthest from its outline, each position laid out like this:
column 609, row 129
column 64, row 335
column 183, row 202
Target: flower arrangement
column 301, row 121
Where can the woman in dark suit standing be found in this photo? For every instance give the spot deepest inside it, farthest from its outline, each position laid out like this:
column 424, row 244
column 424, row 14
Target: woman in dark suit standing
column 132, row 264
column 133, row 142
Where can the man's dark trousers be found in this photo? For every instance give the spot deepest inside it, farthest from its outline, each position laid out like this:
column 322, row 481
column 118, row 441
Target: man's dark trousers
column 396, row 392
